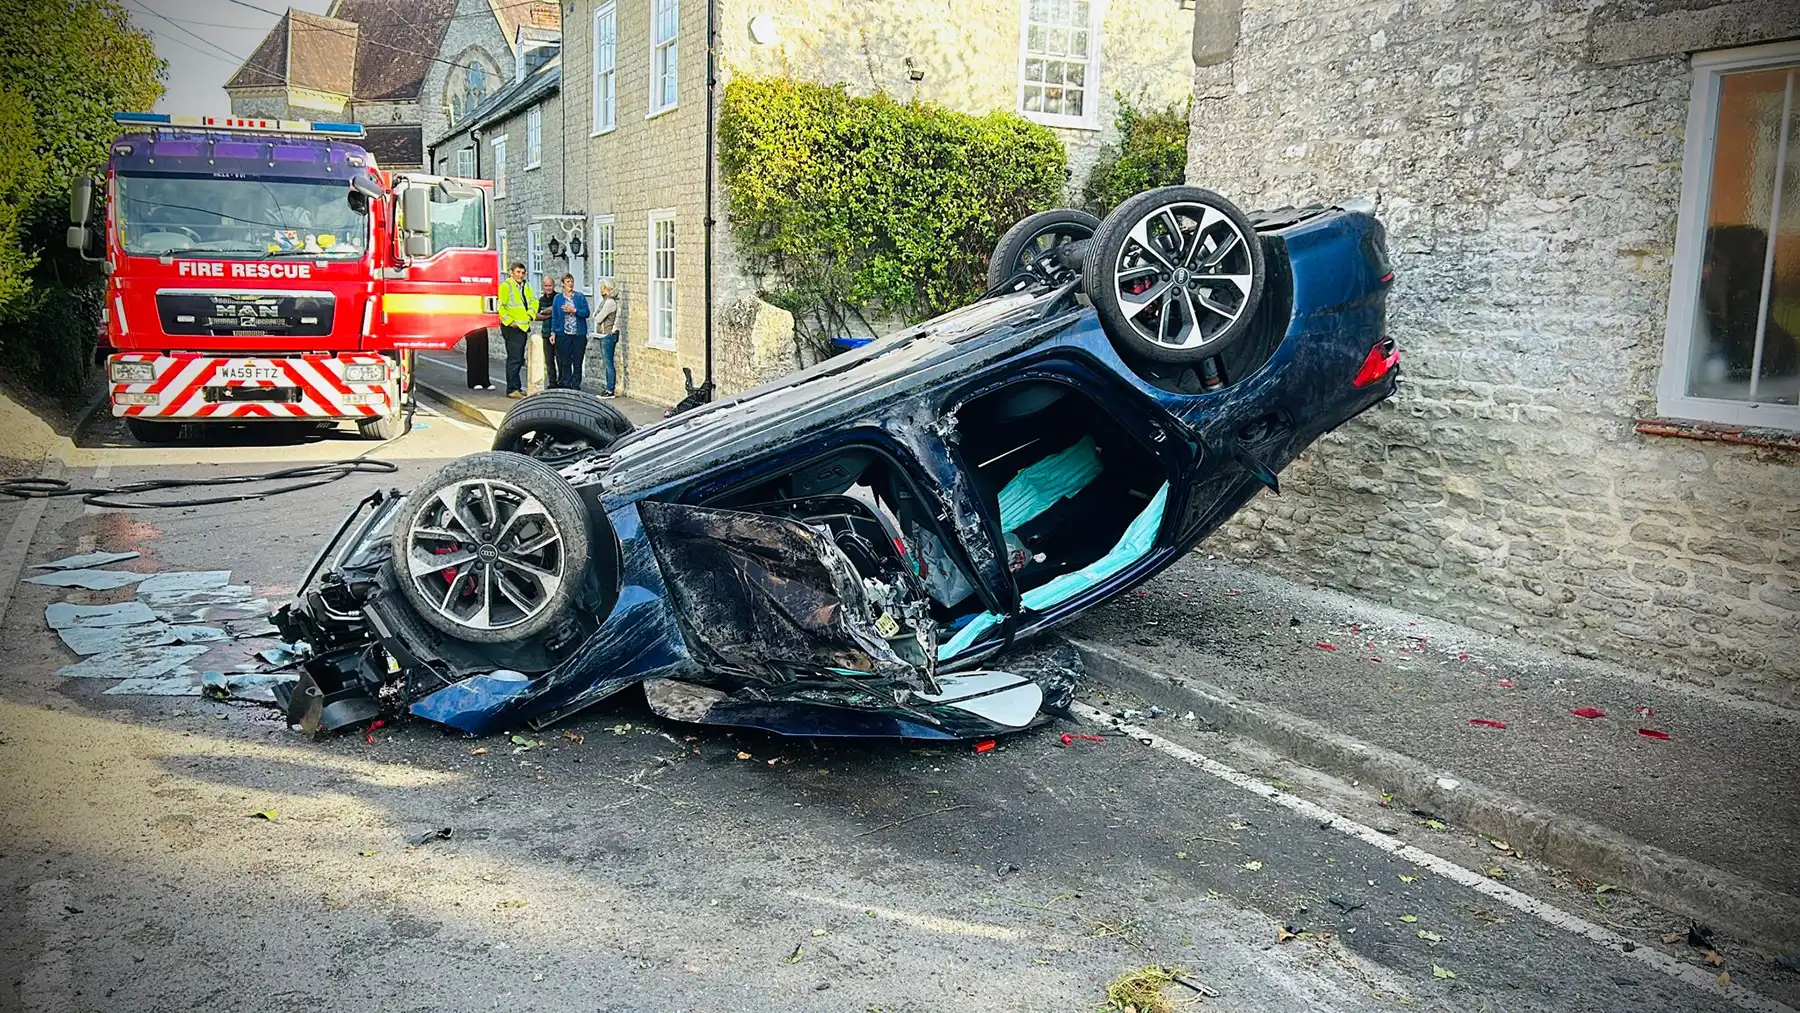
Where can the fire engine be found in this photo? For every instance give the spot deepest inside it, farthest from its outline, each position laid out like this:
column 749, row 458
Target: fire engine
column 270, row 270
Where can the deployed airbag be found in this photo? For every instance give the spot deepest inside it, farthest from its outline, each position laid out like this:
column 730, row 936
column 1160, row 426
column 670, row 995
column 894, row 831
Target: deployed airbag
column 1038, row 487
column 1133, row 545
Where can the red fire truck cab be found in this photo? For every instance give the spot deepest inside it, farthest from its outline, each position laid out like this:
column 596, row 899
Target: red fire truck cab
column 264, row 270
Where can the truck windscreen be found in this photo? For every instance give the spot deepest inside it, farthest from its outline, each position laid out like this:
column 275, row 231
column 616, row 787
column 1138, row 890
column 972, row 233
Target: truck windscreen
column 163, row 215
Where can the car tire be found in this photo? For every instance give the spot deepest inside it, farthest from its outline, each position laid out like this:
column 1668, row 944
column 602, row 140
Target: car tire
column 492, row 549
column 146, row 431
column 1035, row 236
column 387, row 427
column 1175, row 274
column 558, row 425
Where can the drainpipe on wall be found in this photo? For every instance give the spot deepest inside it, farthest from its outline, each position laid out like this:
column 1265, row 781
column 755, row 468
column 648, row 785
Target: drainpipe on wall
column 712, row 11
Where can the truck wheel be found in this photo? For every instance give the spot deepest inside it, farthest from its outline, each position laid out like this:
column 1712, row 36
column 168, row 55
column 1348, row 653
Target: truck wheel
column 492, row 548
column 387, row 427
column 555, row 426
column 1021, row 246
column 146, row 431
column 1175, row 274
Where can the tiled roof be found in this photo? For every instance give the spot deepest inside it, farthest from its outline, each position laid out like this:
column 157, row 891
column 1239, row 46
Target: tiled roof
column 531, row 13
column 267, row 67
column 398, row 44
column 321, row 53
column 395, row 147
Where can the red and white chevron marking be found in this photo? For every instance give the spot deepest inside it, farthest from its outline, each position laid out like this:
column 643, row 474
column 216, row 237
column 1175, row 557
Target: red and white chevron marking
column 181, row 380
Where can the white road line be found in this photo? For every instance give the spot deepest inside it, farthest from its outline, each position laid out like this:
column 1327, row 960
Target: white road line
column 1512, row 898
column 18, row 539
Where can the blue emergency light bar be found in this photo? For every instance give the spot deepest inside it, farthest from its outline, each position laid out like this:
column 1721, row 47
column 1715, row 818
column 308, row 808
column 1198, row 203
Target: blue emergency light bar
column 240, row 123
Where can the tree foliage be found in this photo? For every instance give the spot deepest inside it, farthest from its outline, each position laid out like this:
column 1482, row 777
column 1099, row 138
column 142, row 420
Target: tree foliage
column 851, row 206
column 1151, row 152
column 65, row 67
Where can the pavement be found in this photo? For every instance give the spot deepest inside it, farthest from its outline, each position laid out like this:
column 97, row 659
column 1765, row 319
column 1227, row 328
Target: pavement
column 1704, row 820
column 444, row 376
column 624, row 862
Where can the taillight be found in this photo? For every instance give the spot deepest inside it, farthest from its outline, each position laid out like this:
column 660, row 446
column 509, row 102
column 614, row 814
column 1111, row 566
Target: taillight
column 1381, row 361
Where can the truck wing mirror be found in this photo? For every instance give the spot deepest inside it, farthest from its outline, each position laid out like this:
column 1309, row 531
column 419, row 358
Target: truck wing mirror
column 415, row 207
column 418, row 245
column 81, row 200
column 458, row 191
column 364, row 190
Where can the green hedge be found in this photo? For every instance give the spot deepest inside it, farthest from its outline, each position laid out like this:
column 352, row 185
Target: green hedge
column 1151, row 152
column 47, row 339
column 850, row 206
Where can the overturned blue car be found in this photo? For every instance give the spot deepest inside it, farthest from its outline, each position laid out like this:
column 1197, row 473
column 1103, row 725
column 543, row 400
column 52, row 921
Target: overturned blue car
column 843, row 552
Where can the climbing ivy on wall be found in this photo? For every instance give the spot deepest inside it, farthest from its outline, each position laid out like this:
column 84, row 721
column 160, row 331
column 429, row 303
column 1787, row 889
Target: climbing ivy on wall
column 850, row 207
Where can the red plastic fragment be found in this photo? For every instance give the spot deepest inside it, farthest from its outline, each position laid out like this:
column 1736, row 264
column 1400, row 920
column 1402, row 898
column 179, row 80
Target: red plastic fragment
column 1487, row 722
column 1462, row 657
column 984, row 746
column 1323, row 646
column 1644, row 712
column 370, row 733
column 1506, row 684
column 1588, row 712
column 1651, row 733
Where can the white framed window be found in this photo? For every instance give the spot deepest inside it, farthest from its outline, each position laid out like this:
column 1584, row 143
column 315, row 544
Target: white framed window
column 500, row 248
column 606, row 67
column 534, row 255
column 534, row 137
column 665, row 54
column 662, row 279
column 602, row 253
column 465, row 162
column 1732, row 349
column 499, row 146
column 1059, row 62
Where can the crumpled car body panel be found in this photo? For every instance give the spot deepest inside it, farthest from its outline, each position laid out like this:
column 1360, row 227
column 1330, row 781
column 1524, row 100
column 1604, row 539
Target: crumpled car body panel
column 736, row 606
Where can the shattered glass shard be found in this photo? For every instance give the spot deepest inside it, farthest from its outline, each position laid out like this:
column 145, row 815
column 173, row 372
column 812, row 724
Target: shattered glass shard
column 182, row 682
column 137, row 662
column 184, row 580
column 86, row 561
column 62, row 615
column 88, row 580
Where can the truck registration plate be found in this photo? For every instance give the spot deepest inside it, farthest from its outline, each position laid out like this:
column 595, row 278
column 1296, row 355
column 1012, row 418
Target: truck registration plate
column 248, row 373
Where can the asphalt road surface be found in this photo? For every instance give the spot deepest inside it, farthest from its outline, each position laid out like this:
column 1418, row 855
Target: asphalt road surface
column 622, row 862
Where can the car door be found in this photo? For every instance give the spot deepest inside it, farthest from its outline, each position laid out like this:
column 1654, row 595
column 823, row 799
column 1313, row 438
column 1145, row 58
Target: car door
column 431, row 302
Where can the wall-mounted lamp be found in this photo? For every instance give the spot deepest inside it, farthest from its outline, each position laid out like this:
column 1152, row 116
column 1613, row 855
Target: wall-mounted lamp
column 575, row 247
column 555, row 246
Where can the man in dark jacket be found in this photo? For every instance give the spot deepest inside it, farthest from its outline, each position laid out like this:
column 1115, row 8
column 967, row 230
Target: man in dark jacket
column 545, row 299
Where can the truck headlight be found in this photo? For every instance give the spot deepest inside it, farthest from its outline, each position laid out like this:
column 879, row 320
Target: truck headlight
column 133, row 372
column 371, row 373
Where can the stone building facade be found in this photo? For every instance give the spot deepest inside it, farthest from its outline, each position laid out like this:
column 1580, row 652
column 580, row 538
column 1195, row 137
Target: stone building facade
column 404, row 69
column 642, row 167
column 1543, row 170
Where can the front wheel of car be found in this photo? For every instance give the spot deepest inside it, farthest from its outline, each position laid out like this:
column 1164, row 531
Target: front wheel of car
column 1175, row 274
column 555, row 426
column 492, row 548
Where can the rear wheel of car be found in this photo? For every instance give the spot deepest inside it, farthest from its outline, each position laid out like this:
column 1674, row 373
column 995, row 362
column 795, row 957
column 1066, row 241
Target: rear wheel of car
column 1175, row 274
column 1021, row 246
column 387, row 427
column 558, row 425
column 146, row 431
column 492, row 548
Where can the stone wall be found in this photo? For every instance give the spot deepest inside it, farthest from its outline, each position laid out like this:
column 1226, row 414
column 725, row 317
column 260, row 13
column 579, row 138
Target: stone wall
column 473, row 37
column 1527, row 161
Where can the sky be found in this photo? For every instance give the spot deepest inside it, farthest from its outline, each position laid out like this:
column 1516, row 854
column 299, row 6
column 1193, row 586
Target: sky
column 195, row 36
